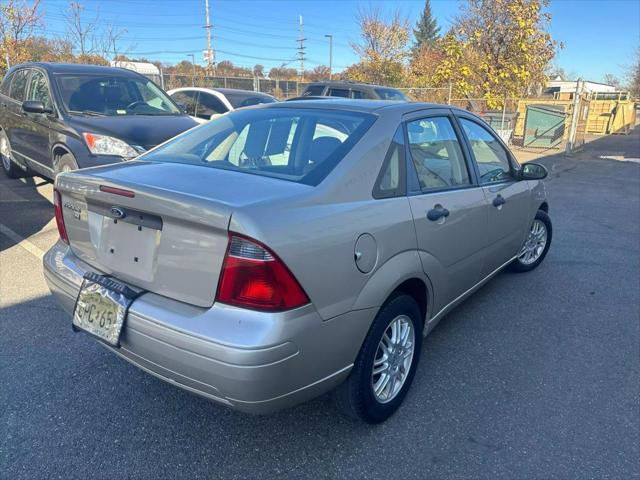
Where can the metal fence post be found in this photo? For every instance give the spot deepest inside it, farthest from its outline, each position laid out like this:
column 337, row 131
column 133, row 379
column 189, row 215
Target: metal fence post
column 574, row 118
column 449, row 98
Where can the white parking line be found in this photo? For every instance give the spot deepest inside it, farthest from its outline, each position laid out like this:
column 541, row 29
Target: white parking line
column 23, row 242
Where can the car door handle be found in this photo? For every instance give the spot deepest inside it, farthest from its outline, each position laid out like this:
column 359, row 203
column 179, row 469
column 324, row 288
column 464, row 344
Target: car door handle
column 499, row 201
column 437, row 212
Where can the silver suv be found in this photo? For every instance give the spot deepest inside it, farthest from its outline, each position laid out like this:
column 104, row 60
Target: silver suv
column 284, row 250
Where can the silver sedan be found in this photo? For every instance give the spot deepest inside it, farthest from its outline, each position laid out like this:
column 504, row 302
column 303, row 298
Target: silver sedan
column 282, row 251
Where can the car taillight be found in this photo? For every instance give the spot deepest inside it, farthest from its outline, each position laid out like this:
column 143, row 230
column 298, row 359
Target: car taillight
column 57, row 208
column 254, row 277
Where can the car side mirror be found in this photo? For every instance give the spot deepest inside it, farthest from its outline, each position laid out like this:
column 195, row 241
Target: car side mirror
column 35, row 106
column 533, row 171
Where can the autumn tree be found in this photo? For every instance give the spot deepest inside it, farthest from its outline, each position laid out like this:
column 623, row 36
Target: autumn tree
column 382, row 48
column 283, row 73
column 320, row 72
column 497, row 49
column 18, row 21
column 427, row 30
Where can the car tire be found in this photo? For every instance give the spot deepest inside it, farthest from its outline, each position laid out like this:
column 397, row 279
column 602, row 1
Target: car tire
column 536, row 245
column 65, row 163
column 357, row 396
column 10, row 168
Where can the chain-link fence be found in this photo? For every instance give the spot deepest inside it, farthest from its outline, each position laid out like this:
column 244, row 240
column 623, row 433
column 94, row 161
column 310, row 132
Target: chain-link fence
column 547, row 129
column 281, row 89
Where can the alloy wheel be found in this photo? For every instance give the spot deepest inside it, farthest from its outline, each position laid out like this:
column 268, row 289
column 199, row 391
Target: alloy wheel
column 392, row 362
column 535, row 243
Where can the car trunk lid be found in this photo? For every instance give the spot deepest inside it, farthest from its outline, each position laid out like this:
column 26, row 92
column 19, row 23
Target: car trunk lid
column 162, row 227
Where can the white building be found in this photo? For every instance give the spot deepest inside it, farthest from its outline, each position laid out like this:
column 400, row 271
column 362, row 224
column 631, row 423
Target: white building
column 569, row 86
column 149, row 70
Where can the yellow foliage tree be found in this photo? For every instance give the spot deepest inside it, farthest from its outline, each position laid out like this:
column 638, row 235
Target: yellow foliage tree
column 496, row 49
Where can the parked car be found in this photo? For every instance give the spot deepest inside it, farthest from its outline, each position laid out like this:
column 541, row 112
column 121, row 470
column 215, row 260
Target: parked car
column 353, row 90
column 203, row 104
column 291, row 248
column 55, row 117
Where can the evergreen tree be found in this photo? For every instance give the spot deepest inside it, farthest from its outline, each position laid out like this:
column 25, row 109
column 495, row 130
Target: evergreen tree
column 427, row 30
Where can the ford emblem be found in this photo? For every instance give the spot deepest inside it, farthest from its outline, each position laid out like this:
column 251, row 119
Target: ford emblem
column 118, row 212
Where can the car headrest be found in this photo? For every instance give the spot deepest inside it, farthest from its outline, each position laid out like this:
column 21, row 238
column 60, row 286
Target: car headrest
column 322, row 148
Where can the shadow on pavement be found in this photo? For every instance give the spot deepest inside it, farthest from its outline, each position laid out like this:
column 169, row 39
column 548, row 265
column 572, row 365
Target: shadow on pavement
column 24, row 206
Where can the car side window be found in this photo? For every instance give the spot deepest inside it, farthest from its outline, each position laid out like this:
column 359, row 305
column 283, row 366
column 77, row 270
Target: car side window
column 313, row 90
column 187, row 100
column 391, row 181
column 209, row 105
column 436, row 154
column 6, row 83
column 339, row 92
column 39, row 89
column 19, row 85
column 358, row 94
column 491, row 157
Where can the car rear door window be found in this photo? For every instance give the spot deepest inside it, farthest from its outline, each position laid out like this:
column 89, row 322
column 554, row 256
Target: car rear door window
column 19, row 85
column 209, row 105
column 490, row 156
column 339, row 92
column 39, row 89
column 436, row 154
column 358, row 94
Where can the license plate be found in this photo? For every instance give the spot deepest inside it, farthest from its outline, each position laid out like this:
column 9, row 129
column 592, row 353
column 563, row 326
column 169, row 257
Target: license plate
column 102, row 307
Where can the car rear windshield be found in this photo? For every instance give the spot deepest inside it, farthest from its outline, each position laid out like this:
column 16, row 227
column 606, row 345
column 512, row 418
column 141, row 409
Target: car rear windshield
column 390, row 94
column 113, row 95
column 300, row 145
column 242, row 99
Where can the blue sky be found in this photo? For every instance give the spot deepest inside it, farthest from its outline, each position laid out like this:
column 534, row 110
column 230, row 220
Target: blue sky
column 599, row 36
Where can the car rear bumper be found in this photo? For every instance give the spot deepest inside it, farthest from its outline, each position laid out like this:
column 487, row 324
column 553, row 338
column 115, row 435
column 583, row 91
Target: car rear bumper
column 252, row 361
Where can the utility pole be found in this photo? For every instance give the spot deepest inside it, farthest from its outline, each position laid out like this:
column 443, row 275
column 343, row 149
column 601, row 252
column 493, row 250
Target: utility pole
column 330, row 37
column 301, row 49
column 193, row 69
column 210, row 55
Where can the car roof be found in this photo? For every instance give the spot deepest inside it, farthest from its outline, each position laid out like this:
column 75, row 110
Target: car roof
column 221, row 90
column 347, row 83
column 368, row 106
column 56, row 68
column 239, row 90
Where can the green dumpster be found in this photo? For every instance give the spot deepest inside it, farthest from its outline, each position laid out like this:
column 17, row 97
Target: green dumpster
column 544, row 126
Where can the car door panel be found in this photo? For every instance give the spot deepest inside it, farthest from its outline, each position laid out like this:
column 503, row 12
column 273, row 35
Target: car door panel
column 507, row 224
column 507, row 199
column 451, row 249
column 38, row 133
column 17, row 124
column 451, row 246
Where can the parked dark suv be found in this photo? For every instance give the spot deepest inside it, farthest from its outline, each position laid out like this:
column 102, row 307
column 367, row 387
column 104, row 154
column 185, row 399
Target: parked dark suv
column 353, row 90
column 56, row 117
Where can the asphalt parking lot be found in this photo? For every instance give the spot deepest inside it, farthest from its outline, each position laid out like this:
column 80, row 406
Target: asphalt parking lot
column 536, row 376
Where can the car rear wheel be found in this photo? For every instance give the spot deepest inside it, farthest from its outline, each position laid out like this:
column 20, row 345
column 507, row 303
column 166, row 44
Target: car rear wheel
column 8, row 165
column 386, row 363
column 536, row 245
